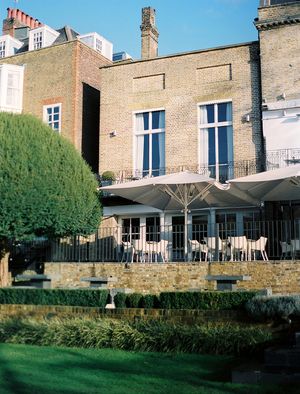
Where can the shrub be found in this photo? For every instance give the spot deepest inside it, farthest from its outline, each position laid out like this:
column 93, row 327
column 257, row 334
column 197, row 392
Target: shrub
column 108, row 176
column 133, row 300
column 138, row 336
column 264, row 308
column 204, row 300
column 185, row 300
column 120, row 300
column 78, row 297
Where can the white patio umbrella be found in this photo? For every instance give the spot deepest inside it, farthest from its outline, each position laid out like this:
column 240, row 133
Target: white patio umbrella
column 179, row 191
column 275, row 185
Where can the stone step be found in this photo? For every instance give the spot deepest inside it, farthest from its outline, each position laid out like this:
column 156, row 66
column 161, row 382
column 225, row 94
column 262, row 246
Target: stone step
column 260, row 375
column 285, row 357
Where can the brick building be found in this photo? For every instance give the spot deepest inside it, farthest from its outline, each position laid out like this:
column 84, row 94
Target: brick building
column 55, row 76
column 224, row 112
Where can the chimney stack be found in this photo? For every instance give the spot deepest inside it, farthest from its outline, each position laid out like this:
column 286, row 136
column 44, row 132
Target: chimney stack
column 17, row 18
column 149, row 34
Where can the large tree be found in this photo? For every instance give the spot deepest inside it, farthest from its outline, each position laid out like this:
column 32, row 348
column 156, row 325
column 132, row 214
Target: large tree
column 46, row 188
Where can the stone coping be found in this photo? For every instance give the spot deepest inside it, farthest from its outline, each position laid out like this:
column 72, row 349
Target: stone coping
column 40, row 277
column 101, row 279
column 229, row 278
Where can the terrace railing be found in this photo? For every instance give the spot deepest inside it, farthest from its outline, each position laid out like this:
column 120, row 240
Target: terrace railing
column 222, row 172
column 263, row 240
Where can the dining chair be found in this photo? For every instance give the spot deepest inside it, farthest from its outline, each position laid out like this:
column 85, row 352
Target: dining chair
column 295, row 243
column 286, row 249
column 128, row 250
column 238, row 248
column 217, row 246
column 259, row 245
column 197, row 248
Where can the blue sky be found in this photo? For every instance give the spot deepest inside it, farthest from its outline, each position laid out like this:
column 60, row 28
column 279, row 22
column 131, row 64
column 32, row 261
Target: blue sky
column 183, row 25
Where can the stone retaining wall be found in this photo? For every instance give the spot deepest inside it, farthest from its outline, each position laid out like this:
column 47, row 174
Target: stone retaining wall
column 171, row 315
column 280, row 276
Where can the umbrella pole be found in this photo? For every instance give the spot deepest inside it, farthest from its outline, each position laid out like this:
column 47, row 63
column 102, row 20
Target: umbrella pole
column 185, row 233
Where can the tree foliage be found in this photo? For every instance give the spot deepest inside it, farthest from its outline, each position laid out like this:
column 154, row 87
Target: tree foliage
column 46, row 188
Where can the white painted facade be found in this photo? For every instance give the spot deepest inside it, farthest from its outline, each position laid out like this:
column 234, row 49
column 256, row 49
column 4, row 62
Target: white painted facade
column 98, row 43
column 42, row 37
column 9, row 45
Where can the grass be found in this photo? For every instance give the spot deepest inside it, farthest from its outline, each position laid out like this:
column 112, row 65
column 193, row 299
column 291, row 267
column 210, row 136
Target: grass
column 33, row 369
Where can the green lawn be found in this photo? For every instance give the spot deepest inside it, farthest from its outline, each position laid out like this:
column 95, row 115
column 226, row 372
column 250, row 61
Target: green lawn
column 32, row 369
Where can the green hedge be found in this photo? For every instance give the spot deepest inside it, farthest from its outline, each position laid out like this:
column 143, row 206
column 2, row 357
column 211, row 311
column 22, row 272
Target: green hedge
column 138, row 336
column 185, row 300
column 274, row 307
column 77, row 297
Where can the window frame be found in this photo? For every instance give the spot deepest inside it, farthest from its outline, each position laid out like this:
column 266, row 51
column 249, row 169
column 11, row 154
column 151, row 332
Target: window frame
column 46, row 116
column 149, row 132
column 214, row 125
column 38, row 40
column 3, row 46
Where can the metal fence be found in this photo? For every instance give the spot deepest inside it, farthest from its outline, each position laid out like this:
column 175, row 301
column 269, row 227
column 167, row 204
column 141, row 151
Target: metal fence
column 222, row 172
column 237, row 241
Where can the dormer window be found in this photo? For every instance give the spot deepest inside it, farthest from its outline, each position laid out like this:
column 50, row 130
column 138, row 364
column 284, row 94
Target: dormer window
column 98, row 43
column 2, row 49
column 38, row 40
column 9, row 46
column 42, row 37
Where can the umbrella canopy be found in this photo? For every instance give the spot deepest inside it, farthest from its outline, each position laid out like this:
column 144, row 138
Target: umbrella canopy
column 274, row 185
column 179, row 191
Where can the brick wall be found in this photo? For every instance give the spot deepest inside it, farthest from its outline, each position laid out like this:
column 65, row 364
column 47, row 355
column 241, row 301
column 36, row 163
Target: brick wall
column 179, row 94
column 55, row 75
column 281, row 276
column 280, row 53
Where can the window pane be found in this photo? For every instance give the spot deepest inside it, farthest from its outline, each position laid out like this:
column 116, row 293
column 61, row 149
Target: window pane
column 56, row 117
column 158, row 120
column 211, row 146
column 223, row 147
column 158, row 153
column 56, row 110
column 49, row 110
column 224, row 112
column 142, row 121
column 210, row 113
column 146, row 155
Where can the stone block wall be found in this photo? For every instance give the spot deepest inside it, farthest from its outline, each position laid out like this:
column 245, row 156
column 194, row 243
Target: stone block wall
column 281, row 276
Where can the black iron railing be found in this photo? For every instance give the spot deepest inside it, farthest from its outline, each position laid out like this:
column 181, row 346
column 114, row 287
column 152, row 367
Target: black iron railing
column 242, row 241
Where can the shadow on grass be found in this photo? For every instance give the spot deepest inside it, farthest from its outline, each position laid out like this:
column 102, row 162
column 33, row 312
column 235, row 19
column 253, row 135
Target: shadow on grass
column 64, row 370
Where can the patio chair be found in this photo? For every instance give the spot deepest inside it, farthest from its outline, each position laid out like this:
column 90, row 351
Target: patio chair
column 197, row 248
column 238, row 248
column 295, row 243
column 259, row 245
column 286, row 249
column 216, row 246
column 128, row 250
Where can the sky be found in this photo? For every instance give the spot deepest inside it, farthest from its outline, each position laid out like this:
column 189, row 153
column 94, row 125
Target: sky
column 183, row 25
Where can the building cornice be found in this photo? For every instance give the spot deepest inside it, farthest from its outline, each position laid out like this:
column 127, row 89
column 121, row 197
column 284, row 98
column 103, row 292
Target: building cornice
column 271, row 23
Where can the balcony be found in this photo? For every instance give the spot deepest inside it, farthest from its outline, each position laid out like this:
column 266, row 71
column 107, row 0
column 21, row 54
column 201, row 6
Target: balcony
column 272, row 160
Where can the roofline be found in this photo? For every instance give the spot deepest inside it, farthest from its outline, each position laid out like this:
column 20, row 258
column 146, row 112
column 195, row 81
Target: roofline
column 127, row 61
column 74, row 41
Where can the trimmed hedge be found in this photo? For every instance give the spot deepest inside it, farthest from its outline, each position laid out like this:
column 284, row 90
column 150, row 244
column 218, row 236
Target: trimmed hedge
column 274, row 307
column 185, row 300
column 77, row 297
column 139, row 336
